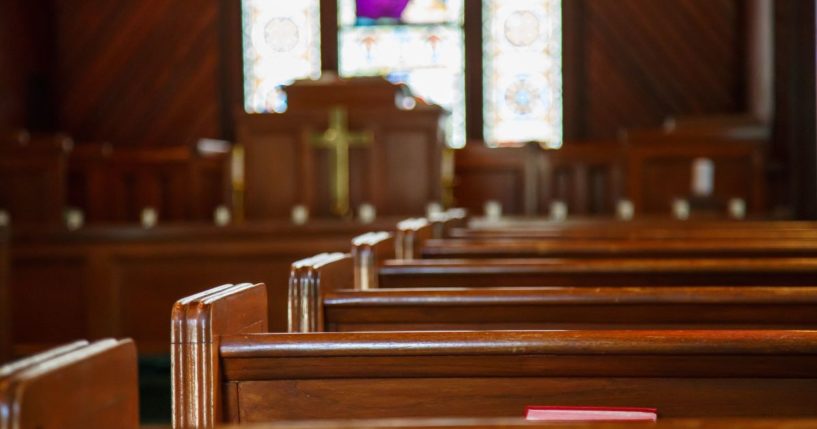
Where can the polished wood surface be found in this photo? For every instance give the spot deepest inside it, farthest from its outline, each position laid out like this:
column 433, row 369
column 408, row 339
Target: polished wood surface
column 399, row 173
column 484, row 374
column 598, row 272
column 198, row 323
column 114, row 184
column 323, row 298
column 650, row 169
column 615, row 248
column 33, row 178
column 568, row 308
column 77, row 386
column 506, row 423
column 638, row 229
column 120, row 281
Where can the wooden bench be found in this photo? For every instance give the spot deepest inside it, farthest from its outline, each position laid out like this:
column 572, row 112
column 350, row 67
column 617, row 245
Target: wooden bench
column 323, row 299
column 226, row 369
column 376, row 266
column 75, row 386
column 660, row 229
column 598, row 272
column 617, row 248
column 518, row 423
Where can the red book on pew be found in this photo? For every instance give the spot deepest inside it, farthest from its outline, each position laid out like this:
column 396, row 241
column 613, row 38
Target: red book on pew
column 590, row 414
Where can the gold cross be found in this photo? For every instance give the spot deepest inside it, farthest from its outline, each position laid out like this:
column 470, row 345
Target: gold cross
column 339, row 140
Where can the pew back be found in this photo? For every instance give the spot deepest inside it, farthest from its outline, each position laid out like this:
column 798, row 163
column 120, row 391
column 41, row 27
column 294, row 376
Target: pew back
column 496, row 374
column 617, row 248
column 599, row 272
column 198, row 323
column 77, row 386
column 568, row 308
column 323, row 299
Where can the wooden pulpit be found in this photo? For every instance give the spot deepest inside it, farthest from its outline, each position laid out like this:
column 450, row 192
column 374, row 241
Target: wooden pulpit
column 342, row 143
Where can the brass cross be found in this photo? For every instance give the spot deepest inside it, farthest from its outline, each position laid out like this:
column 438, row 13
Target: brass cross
column 339, row 140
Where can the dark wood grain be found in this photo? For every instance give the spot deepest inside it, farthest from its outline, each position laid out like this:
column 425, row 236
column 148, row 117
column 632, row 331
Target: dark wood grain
column 598, row 272
column 508, row 423
column 5, row 302
column 610, row 248
column 570, row 308
column 467, row 374
column 78, row 386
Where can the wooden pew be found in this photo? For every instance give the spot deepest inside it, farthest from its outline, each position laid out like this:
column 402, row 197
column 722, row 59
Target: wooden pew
column 383, row 269
column 227, row 370
column 76, row 386
column 598, row 272
column 617, row 248
column 640, row 229
column 323, row 299
column 518, row 423
column 5, row 305
column 130, row 276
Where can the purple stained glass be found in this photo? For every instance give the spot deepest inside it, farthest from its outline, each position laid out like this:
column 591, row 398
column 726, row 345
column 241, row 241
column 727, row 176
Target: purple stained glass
column 380, row 9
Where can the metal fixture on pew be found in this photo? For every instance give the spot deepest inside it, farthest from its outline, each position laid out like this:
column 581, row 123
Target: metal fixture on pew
column 680, row 209
column 737, row 208
column 74, row 218
column 300, row 214
column 149, row 217
column 493, row 211
column 5, row 218
column 558, row 211
column 625, row 210
column 366, row 213
column 222, row 216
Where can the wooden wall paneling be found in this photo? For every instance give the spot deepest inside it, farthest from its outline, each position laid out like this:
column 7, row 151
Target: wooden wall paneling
column 115, row 184
column 121, row 281
column 5, row 304
column 660, row 169
column 506, row 175
column 26, row 55
column 588, row 176
column 33, row 174
column 794, row 150
column 138, row 74
column 643, row 61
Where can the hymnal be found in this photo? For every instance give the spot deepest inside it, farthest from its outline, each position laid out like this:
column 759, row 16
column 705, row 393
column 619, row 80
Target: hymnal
column 591, row 414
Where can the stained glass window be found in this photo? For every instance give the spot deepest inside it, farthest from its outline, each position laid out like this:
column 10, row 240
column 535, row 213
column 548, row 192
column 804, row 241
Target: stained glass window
column 281, row 44
column 420, row 43
column 522, row 59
